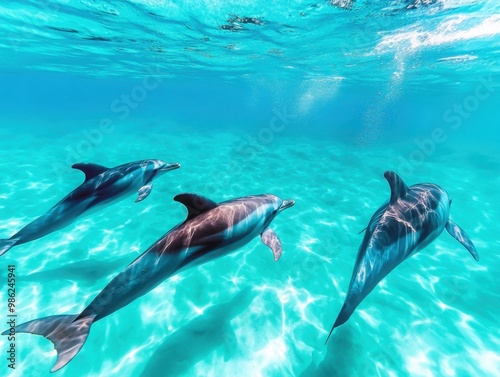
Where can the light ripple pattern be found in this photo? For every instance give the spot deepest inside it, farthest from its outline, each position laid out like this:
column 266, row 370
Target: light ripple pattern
column 436, row 314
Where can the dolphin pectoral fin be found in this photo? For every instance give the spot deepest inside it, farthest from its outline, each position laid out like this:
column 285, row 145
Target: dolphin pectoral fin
column 195, row 204
column 462, row 237
column 230, row 342
column 144, row 191
column 398, row 186
column 271, row 240
column 90, row 170
column 377, row 216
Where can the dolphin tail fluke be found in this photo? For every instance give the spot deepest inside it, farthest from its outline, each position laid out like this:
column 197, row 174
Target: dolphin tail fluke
column 6, row 245
column 67, row 332
column 462, row 237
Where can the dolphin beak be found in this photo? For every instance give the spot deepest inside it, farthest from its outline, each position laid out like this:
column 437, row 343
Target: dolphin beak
column 287, row 203
column 169, row 167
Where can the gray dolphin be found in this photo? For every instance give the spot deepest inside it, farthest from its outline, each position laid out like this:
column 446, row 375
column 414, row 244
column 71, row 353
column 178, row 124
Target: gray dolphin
column 210, row 231
column 102, row 186
column 409, row 221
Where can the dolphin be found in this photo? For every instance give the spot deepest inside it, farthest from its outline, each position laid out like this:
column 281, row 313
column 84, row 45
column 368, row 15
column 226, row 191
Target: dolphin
column 410, row 220
column 210, row 231
column 102, row 186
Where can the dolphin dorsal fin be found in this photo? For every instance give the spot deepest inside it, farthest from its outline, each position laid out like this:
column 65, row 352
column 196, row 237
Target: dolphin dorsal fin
column 398, row 187
column 195, row 204
column 90, row 170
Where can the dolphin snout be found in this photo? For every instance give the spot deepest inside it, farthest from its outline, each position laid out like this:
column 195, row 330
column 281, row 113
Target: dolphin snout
column 169, row 167
column 287, row 203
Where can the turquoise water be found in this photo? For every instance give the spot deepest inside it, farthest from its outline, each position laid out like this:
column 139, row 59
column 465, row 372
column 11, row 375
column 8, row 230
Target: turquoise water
column 310, row 101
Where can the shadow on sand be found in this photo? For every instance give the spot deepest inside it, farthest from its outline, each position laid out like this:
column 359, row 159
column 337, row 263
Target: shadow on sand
column 337, row 361
column 191, row 343
column 86, row 271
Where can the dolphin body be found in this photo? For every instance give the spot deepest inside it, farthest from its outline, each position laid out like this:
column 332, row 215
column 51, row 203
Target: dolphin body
column 210, row 231
column 409, row 221
column 102, row 186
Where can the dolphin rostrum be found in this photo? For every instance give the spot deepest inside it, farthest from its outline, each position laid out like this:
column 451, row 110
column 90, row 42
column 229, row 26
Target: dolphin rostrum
column 101, row 186
column 210, row 231
column 409, row 221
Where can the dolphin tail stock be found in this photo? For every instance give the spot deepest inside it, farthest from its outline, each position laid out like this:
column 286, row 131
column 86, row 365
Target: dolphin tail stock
column 7, row 244
column 67, row 332
column 329, row 334
column 462, row 237
column 344, row 315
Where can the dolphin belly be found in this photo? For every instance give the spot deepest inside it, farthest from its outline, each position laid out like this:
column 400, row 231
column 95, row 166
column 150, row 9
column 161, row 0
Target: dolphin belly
column 59, row 217
column 140, row 277
column 68, row 211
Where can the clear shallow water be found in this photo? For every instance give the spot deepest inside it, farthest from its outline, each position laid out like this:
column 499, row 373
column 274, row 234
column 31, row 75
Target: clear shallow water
column 290, row 110
column 436, row 314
